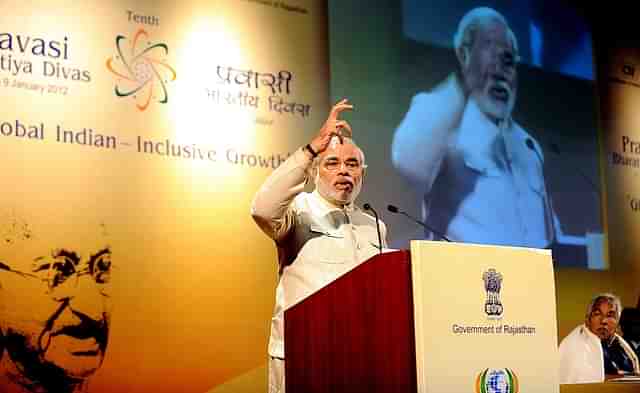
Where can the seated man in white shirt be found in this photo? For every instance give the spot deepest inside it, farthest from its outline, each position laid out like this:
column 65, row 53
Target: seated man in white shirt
column 594, row 349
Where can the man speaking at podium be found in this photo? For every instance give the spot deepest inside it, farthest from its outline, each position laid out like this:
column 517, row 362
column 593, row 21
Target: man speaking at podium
column 319, row 235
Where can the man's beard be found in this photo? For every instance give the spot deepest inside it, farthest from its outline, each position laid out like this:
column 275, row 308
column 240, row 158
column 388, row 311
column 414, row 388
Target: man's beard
column 497, row 109
column 328, row 192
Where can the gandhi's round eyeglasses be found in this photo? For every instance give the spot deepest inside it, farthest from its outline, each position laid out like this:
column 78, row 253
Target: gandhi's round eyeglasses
column 67, row 269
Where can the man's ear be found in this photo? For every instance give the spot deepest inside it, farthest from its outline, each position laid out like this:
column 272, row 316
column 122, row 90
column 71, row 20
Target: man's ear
column 462, row 53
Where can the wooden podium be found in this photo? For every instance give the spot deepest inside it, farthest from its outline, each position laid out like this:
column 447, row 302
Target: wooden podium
column 356, row 334
column 447, row 317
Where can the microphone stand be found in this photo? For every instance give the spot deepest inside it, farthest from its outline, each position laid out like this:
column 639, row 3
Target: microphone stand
column 367, row 206
column 394, row 209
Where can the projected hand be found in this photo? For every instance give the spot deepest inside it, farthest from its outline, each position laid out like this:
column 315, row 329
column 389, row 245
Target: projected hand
column 333, row 127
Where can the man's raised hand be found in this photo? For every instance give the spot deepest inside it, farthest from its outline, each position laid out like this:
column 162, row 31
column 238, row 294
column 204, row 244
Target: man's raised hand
column 333, row 126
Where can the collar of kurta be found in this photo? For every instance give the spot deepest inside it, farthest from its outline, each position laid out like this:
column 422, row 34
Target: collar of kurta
column 477, row 132
column 477, row 136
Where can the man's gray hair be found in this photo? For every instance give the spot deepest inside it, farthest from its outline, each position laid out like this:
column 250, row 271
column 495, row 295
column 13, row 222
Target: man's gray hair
column 605, row 297
column 472, row 21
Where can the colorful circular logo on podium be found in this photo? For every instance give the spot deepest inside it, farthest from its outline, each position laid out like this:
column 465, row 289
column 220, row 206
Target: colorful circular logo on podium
column 501, row 380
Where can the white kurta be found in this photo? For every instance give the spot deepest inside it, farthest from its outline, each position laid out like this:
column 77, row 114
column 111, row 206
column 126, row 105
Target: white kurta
column 317, row 242
column 581, row 357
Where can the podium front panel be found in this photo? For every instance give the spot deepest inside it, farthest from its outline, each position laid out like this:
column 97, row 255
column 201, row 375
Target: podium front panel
column 485, row 318
column 356, row 334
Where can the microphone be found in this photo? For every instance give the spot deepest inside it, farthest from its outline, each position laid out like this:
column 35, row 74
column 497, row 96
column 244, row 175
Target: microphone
column 367, row 206
column 547, row 199
column 394, row 209
column 556, row 150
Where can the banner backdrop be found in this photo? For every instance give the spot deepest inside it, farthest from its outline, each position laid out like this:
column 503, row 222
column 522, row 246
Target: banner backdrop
column 619, row 97
column 133, row 136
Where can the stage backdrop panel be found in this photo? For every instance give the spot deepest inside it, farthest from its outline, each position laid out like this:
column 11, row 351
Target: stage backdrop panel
column 133, row 135
column 620, row 96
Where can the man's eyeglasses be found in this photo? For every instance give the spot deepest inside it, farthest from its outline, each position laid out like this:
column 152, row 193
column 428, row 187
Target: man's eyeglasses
column 351, row 165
